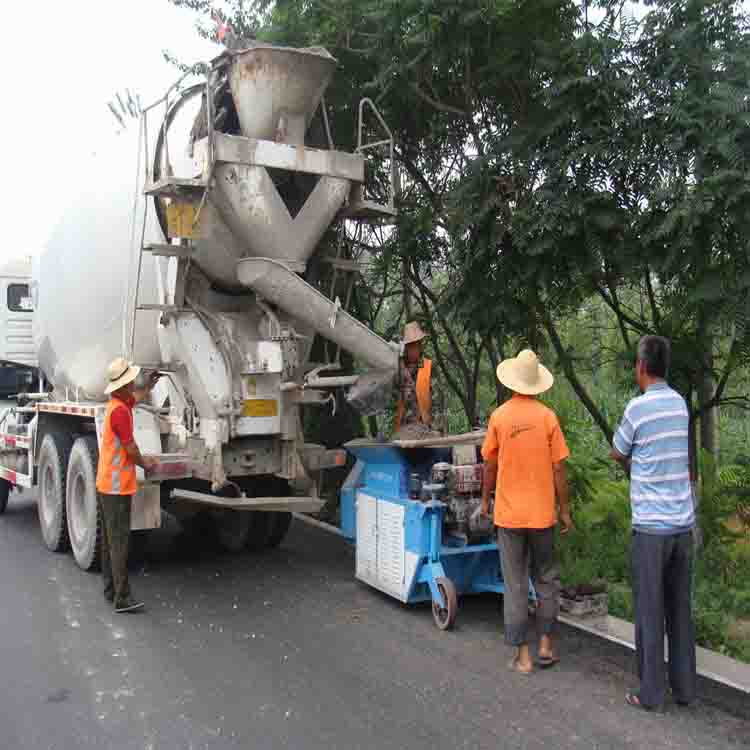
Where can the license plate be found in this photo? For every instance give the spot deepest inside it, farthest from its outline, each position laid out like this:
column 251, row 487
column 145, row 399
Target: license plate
column 260, row 407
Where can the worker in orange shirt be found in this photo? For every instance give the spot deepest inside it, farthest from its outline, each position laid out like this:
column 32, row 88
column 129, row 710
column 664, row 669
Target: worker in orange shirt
column 524, row 453
column 414, row 407
column 116, row 479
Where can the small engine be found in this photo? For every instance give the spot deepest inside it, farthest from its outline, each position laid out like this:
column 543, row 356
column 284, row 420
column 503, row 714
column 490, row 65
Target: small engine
column 460, row 488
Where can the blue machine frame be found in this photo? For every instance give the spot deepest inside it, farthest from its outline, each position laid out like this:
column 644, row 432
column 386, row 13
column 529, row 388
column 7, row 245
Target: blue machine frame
column 400, row 545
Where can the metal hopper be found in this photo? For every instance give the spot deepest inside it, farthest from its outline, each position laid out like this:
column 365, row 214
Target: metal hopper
column 266, row 198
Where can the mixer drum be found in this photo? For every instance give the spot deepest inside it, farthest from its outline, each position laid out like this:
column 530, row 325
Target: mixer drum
column 80, row 281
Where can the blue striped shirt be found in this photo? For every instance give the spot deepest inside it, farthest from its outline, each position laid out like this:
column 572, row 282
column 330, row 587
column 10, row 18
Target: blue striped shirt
column 654, row 433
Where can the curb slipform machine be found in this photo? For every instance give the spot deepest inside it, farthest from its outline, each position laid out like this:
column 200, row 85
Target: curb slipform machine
column 197, row 269
column 411, row 508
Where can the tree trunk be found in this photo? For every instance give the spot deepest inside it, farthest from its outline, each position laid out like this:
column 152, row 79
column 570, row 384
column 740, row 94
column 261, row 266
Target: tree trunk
column 567, row 366
column 497, row 355
column 692, row 439
column 709, row 424
column 372, row 424
column 407, row 289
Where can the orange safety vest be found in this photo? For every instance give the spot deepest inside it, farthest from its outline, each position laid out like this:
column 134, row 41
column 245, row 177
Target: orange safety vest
column 424, row 396
column 115, row 474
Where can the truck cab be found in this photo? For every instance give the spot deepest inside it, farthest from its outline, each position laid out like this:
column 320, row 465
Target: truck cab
column 18, row 360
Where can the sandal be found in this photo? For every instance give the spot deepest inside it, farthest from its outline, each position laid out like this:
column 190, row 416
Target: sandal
column 545, row 662
column 515, row 666
column 633, row 699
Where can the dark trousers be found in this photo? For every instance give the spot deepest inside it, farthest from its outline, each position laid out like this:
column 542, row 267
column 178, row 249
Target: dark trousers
column 115, row 539
column 662, row 572
column 523, row 551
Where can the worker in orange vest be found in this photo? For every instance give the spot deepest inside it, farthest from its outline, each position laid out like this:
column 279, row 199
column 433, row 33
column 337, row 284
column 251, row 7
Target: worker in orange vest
column 116, row 479
column 414, row 408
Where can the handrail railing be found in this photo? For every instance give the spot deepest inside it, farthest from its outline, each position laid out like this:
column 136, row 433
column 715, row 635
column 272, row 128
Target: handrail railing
column 389, row 141
column 162, row 143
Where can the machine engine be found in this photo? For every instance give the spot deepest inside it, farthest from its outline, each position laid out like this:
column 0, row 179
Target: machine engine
column 459, row 487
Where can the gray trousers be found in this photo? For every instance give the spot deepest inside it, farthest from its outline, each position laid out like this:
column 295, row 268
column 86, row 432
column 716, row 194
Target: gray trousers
column 115, row 541
column 524, row 551
column 662, row 572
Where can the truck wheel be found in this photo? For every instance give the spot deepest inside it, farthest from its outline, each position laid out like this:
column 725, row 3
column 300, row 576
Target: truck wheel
column 5, row 487
column 232, row 528
column 82, row 503
column 281, row 522
column 261, row 529
column 53, row 467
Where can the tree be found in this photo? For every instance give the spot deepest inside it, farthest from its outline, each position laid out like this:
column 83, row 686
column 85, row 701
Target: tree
column 548, row 162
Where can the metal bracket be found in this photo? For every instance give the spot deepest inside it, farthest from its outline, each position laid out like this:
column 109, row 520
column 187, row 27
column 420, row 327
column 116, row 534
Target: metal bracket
column 334, row 312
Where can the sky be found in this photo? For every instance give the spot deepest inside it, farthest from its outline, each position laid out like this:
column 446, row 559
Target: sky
column 62, row 63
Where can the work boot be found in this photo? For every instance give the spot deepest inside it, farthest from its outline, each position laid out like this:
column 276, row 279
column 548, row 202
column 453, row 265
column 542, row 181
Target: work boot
column 128, row 605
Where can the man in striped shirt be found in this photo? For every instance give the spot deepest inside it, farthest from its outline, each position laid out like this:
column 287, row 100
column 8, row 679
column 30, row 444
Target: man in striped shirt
column 651, row 443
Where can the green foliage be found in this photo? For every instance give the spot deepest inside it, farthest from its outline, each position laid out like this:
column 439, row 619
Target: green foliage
column 598, row 547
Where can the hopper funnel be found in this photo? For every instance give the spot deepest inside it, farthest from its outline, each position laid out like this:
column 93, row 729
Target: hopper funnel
column 276, row 90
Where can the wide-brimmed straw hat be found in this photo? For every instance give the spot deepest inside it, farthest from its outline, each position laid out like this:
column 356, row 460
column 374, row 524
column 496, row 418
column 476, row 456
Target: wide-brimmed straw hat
column 119, row 373
column 524, row 374
column 413, row 333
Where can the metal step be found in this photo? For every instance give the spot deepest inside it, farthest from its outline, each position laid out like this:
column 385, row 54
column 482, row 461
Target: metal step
column 150, row 366
column 169, row 251
column 344, row 264
column 305, row 504
column 163, row 308
column 176, row 187
column 369, row 211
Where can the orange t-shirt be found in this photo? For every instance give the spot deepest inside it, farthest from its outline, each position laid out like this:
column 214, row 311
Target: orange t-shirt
column 525, row 438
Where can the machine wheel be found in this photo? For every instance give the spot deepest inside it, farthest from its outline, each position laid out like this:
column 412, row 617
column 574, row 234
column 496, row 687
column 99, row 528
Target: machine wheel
column 53, row 467
column 82, row 503
column 5, row 487
column 281, row 521
column 445, row 617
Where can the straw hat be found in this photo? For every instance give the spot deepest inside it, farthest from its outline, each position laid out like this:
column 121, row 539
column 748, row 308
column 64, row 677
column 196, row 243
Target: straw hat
column 524, row 374
column 119, row 373
column 413, row 333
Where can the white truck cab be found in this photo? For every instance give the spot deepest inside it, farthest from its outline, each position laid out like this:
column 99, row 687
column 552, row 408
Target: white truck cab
column 18, row 359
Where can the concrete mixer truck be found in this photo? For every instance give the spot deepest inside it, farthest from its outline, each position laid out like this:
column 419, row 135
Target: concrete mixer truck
column 196, row 269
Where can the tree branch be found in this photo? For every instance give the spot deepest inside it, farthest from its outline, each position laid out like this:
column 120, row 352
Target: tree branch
column 572, row 377
column 438, row 104
column 652, row 299
column 617, row 310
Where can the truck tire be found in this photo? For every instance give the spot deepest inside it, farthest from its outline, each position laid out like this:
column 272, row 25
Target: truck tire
column 53, row 470
column 281, row 522
column 232, row 529
column 5, row 487
column 261, row 529
column 82, row 503
column 261, row 523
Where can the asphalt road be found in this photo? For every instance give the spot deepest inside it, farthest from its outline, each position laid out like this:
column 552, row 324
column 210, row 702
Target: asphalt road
column 287, row 650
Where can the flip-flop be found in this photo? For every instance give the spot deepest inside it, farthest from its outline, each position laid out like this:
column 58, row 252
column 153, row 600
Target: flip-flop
column 514, row 666
column 545, row 662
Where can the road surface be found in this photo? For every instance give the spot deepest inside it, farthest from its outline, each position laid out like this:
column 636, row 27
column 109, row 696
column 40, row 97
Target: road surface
column 289, row 651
